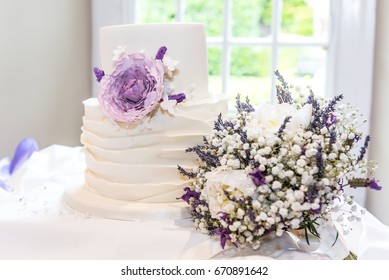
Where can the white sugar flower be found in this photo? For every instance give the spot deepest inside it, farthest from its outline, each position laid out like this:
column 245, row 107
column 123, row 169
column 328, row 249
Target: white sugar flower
column 170, row 65
column 118, row 53
column 168, row 105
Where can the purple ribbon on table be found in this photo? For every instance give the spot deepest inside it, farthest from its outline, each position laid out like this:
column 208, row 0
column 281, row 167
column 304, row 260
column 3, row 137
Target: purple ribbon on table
column 23, row 152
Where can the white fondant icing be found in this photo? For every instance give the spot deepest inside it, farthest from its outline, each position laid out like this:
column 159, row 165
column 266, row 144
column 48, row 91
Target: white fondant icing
column 142, row 166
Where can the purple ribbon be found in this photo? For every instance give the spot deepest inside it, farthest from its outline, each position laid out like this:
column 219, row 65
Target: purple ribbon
column 22, row 153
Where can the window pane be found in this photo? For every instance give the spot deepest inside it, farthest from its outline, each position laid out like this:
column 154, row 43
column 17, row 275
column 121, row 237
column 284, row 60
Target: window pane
column 214, row 70
column 304, row 66
column 250, row 74
column 208, row 12
column 306, row 18
column 151, row 11
column 251, row 18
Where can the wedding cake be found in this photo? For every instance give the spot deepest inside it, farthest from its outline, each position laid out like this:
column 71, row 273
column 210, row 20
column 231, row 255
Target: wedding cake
column 153, row 104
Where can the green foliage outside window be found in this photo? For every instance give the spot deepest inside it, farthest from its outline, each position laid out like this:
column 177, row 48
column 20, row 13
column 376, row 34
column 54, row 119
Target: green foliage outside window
column 251, row 19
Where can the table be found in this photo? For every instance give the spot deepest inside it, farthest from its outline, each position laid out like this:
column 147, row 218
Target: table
column 36, row 223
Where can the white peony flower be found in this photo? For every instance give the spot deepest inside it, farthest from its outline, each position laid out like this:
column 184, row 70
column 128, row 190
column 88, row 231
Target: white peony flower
column 236, row 182
column 301, row 119
column 271, row 117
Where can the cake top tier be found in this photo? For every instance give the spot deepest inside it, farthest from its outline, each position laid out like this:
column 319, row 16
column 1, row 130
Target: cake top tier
column 185, row 42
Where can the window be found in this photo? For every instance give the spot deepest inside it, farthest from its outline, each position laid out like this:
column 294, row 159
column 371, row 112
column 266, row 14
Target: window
column 249, row 40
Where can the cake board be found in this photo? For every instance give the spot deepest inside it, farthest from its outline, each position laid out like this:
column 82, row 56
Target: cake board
column 84, row 200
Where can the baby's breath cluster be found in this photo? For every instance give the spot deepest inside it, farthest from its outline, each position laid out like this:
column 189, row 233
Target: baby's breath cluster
column 278, row 168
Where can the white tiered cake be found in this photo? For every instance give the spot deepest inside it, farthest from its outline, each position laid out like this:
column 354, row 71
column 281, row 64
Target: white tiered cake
column 132, row 166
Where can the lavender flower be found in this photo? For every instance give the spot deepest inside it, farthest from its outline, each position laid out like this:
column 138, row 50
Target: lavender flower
column 178, row 97
column 319, row 161
column 257, row 177
column 331, row 120
column 98, row 73
column 220, row 124
column 372, row 184
column 186, row 173
column 223, row 216
column 364, row 148
column 283, row 126
column 224, row 236
column 205, row 156
column 189, row 194
column 283, row 93
column 161, row 53
column 243, row 106
column 331, row 105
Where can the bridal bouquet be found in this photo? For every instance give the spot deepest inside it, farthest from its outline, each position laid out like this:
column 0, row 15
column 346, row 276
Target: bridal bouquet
column 279, row 168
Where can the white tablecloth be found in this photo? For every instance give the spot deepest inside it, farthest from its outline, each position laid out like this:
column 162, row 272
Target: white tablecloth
column 36, row 223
